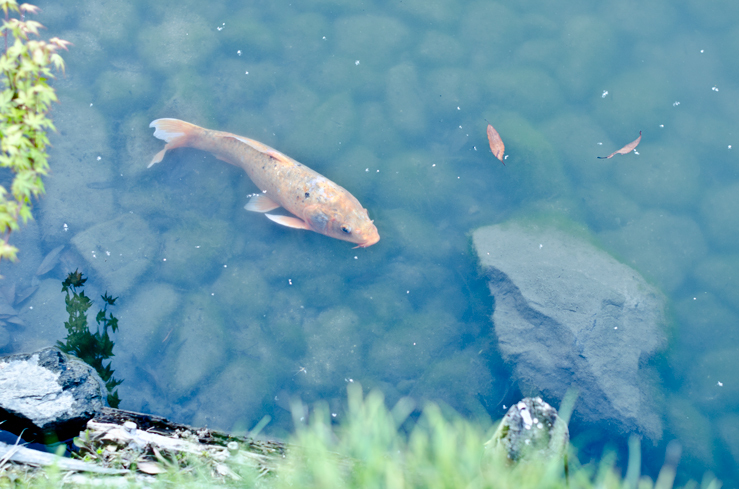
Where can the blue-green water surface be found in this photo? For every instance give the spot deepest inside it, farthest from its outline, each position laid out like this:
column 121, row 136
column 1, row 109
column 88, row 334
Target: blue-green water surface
column 226, row 316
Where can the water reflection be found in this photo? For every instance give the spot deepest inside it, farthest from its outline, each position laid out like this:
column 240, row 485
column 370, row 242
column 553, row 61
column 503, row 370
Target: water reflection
column 91, row 348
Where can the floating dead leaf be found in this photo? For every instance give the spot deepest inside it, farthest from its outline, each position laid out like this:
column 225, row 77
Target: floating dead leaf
column 150, row 468
column 626, row 149
column 50, row 261
column 496, row 144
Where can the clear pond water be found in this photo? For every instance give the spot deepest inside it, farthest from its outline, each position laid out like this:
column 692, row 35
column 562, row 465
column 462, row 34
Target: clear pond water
column 226, row 316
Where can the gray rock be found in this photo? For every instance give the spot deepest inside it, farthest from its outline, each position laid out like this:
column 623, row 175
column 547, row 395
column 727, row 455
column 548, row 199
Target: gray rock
column 44, row 315
column 120, row 250
column 79, row 154
column 4, row 337
column 568, row 315
column 197, row 349
column 48, row 392
column 334, row 350
column 531, row 430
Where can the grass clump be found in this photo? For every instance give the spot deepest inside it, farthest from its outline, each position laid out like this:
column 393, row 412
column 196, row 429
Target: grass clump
column 371, row 448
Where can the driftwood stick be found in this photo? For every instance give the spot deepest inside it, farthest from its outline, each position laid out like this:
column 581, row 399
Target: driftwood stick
column 22, row 455
column 165, row 427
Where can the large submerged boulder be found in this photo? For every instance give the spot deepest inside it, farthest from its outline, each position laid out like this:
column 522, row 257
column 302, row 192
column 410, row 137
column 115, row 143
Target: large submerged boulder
column 569, row 315
column 48, row 393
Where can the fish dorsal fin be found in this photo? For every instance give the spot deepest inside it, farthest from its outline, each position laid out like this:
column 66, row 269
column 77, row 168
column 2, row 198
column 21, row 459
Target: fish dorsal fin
column 261, row 203
column 263, row 148
column 291, row 222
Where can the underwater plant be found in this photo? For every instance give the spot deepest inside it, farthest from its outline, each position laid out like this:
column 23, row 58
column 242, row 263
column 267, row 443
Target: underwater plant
column 25, row 99
column 91, row 348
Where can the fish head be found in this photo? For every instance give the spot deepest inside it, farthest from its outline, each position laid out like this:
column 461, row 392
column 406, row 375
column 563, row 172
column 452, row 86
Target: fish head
column 348, row 224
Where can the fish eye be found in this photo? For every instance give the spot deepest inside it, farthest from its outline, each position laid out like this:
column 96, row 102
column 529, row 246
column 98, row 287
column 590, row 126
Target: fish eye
column 346, row 229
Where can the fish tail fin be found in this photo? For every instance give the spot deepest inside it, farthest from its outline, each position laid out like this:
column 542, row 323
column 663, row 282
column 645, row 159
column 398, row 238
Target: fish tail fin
column 174, row 132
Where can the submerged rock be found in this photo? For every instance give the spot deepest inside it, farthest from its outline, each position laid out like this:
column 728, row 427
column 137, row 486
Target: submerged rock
column 120, row 250
column 568, row 315
column 48, row 392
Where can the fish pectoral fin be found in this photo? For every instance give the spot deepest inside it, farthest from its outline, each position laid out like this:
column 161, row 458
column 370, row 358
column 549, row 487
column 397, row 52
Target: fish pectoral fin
column 157, row 158
column 291, row 222
column 261, row 203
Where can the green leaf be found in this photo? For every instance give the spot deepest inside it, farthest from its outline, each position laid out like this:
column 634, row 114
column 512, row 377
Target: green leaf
column 113, row 400
column 25, row 98
column 113, row 323
column 8, row 251
column 109, row 299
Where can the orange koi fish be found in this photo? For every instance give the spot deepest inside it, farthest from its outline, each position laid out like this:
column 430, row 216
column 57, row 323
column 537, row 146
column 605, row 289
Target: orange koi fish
column 319, row 204
column 626, row 149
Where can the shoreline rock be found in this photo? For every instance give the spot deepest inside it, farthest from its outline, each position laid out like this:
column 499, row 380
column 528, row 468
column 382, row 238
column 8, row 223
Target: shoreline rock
column 48, row 393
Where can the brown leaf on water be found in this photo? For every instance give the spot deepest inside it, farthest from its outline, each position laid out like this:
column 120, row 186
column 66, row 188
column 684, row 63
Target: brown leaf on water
column 626, row 149
column 496, row 144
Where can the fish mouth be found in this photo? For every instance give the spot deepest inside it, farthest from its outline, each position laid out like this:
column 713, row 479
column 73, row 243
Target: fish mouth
column 369, row 242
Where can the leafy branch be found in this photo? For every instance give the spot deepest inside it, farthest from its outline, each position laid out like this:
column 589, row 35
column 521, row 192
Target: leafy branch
column 25, row 68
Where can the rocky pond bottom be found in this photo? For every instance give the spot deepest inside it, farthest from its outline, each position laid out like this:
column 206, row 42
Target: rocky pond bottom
column 567, row 317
